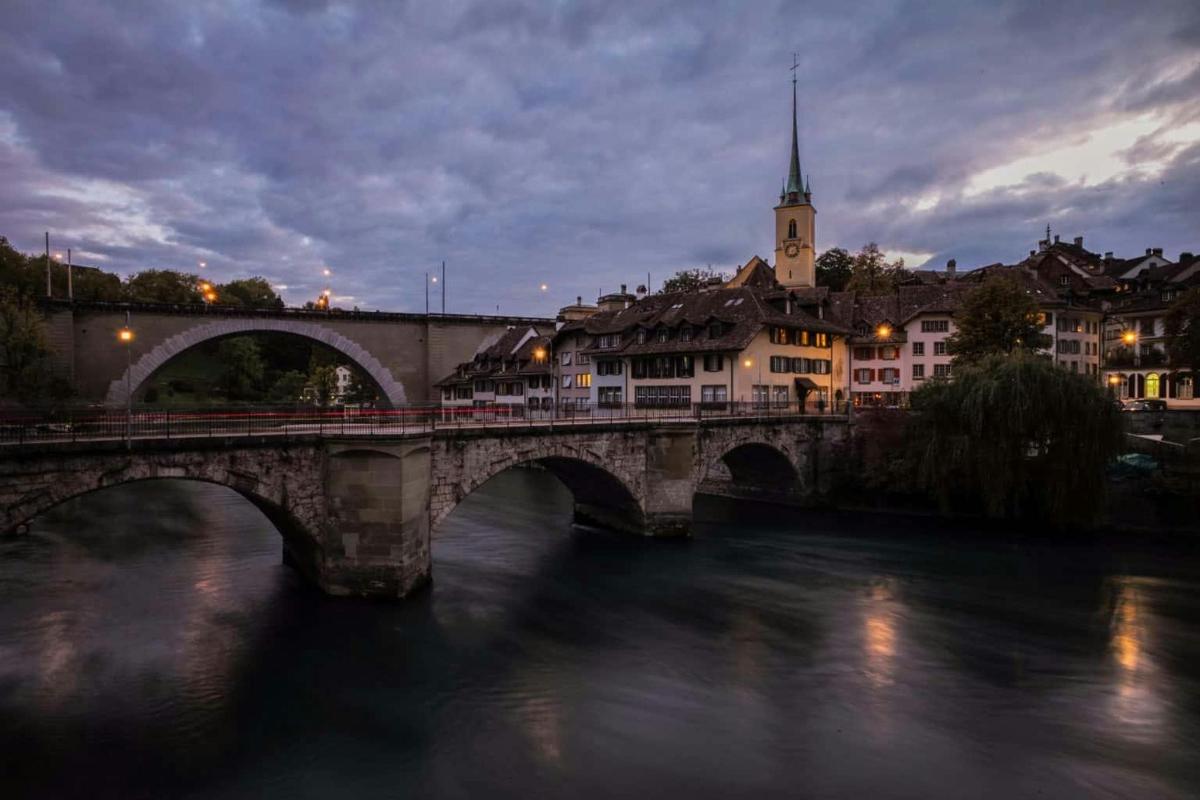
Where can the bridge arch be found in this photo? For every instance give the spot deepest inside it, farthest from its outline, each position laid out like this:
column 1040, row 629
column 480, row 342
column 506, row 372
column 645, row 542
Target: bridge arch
column 149, row 363
column 754, row 469
column 602, row 496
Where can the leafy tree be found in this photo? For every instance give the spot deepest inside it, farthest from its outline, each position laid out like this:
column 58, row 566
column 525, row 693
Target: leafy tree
column 288, row 387
column 360, row 390
column 996, row 317
column 323, row 379
column 1182, row 327
column 834, row 268
column 163, row 286
column 242, row 368
column 1017, row 435
column 249, row 292
column 689, row 280
column 872, row 274
column 26, row 372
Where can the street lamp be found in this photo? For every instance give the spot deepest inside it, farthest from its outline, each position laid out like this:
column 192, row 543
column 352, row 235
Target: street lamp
column 883, row 331
column 544, row 287
column 125, row 337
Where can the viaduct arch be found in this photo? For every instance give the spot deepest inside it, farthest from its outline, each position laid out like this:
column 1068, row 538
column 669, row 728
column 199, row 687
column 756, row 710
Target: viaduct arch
column 146, row 365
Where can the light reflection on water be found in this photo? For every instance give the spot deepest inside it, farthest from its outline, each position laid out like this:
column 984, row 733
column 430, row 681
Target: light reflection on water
column 152, row 644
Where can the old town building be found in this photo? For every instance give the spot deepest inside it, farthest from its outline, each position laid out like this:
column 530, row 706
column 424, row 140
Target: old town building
column 515, row 372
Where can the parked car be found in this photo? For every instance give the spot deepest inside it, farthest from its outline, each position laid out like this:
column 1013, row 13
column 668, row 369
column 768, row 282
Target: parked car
column 1145, row 405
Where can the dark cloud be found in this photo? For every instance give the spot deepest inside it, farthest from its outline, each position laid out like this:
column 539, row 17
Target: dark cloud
column 579, row 144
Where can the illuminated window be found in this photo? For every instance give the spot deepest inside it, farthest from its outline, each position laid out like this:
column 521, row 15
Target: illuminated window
column 583, row 380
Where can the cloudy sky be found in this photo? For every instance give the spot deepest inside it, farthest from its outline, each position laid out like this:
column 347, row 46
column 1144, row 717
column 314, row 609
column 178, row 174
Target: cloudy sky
column 585, row 144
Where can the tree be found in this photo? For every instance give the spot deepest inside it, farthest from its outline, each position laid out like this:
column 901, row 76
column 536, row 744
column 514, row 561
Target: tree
column 360, row 391
column 26, row 372
column 1182, row 327
column 834, row 268
column 1017, row 435
column 249, row 292
column 288, row 387
column 323, row 380
column 163, row 286
column 872, row 274
column 996, row 317
column 690, row 280
column 242, row 368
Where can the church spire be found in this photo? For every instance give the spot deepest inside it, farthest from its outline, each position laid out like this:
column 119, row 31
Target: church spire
column 795, row 184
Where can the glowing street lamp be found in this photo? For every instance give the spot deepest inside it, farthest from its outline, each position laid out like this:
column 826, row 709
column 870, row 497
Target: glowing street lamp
column 544, row 287
column 326, row 272
column 883, row 331
column 539, row 354
column 1129, row 338
column 125, row 337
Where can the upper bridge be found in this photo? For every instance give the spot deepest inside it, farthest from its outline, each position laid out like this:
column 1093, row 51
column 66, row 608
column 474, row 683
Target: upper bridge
column 356, row 511
column 403, row 354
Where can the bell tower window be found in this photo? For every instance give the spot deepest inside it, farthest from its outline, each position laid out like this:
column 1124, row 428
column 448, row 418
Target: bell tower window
column 791, row 229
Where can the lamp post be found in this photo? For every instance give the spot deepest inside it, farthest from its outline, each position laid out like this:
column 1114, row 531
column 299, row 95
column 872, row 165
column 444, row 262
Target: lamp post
column 125, row 337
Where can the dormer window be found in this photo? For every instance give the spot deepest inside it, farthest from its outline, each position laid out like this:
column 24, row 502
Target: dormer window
column 685, row 333
column 1065, row 280
column 715, row 330
column 664, row 334
column 641, row 336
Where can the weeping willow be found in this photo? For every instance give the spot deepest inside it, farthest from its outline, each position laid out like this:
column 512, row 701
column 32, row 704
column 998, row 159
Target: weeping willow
column 1018, row 435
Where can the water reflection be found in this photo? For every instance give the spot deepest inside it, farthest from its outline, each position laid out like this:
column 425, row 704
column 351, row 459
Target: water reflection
column 1136, row 706
column 158, row 648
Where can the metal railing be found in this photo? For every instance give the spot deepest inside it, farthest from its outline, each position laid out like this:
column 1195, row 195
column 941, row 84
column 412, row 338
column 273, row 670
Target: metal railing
column 66, row 424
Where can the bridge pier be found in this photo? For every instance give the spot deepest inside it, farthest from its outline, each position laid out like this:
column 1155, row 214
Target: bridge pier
column 377, row 528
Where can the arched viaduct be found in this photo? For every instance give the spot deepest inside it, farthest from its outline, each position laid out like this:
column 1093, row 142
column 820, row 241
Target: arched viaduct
column 404, row 354
column 356, row 515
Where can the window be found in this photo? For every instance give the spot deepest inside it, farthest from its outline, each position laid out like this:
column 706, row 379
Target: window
column 583, row 380
column 608, row 367
column 890, row 353
column 918, row 348
column 685, row 333
column 1146, row 327
column 760, row 395
column 779, row 395
column 716, row 393
column 941, row 370
column 715, row 330
column 801, row 365
column 791, row 229
column 864, row 375
column 820, row 366
column 641, row 336
column 1152, row 385
column 685, row 366
column 565, row 358
column 583, row 358
column 801, row 338
column 820, row 340
column 714, row 362
column 889, row 375
column 661, row 396
column 664, row 335
column 864, row 353
column 462, row 393
column 779, row 335
column 447, row 393
column 534, row 402
column 781, row 364
column 939, row 348
column 567, row 381
column 609, row 396
column 918, row 372
column 608, row 341
column 518, row 388
column 1065, row 280
column 935, row 326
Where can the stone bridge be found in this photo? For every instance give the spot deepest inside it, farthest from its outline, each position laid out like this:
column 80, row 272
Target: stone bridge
column 404, row 354
column 356, row 514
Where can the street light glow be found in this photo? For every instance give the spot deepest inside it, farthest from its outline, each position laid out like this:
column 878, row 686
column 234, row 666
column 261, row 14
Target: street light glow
column 748, row 363
column 435, row 278
column 539, row 354
column 544, row 287
column 1129, row 337
column 125, row 335
column 883, row 331
column 326, row 272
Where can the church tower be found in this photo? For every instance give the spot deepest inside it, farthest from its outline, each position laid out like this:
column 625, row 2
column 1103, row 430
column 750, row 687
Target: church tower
column 795, row 222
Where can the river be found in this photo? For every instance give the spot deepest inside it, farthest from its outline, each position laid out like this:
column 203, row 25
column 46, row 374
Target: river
column 153, row 645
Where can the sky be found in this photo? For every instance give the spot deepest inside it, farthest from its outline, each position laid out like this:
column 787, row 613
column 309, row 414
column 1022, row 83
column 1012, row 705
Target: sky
column 582, row 145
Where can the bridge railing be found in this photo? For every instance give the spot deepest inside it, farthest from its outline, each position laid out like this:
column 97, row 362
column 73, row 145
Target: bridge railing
column 73, row 424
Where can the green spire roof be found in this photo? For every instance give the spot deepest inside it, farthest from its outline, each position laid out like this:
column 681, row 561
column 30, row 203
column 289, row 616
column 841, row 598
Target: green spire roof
column 794, row 183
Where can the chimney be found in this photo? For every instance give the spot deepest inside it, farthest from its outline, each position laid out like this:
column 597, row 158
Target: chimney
column 1056, row 238
column 1157, row 251
column 578, row 299
column 1033, row 252
column 951, row 268
column 1108, row 255
column 1079, row 241
column 1185, row 256
column 623, row 289
column 1148, row 251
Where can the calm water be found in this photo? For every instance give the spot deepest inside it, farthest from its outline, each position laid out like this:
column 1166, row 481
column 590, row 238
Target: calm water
column 152, row 645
